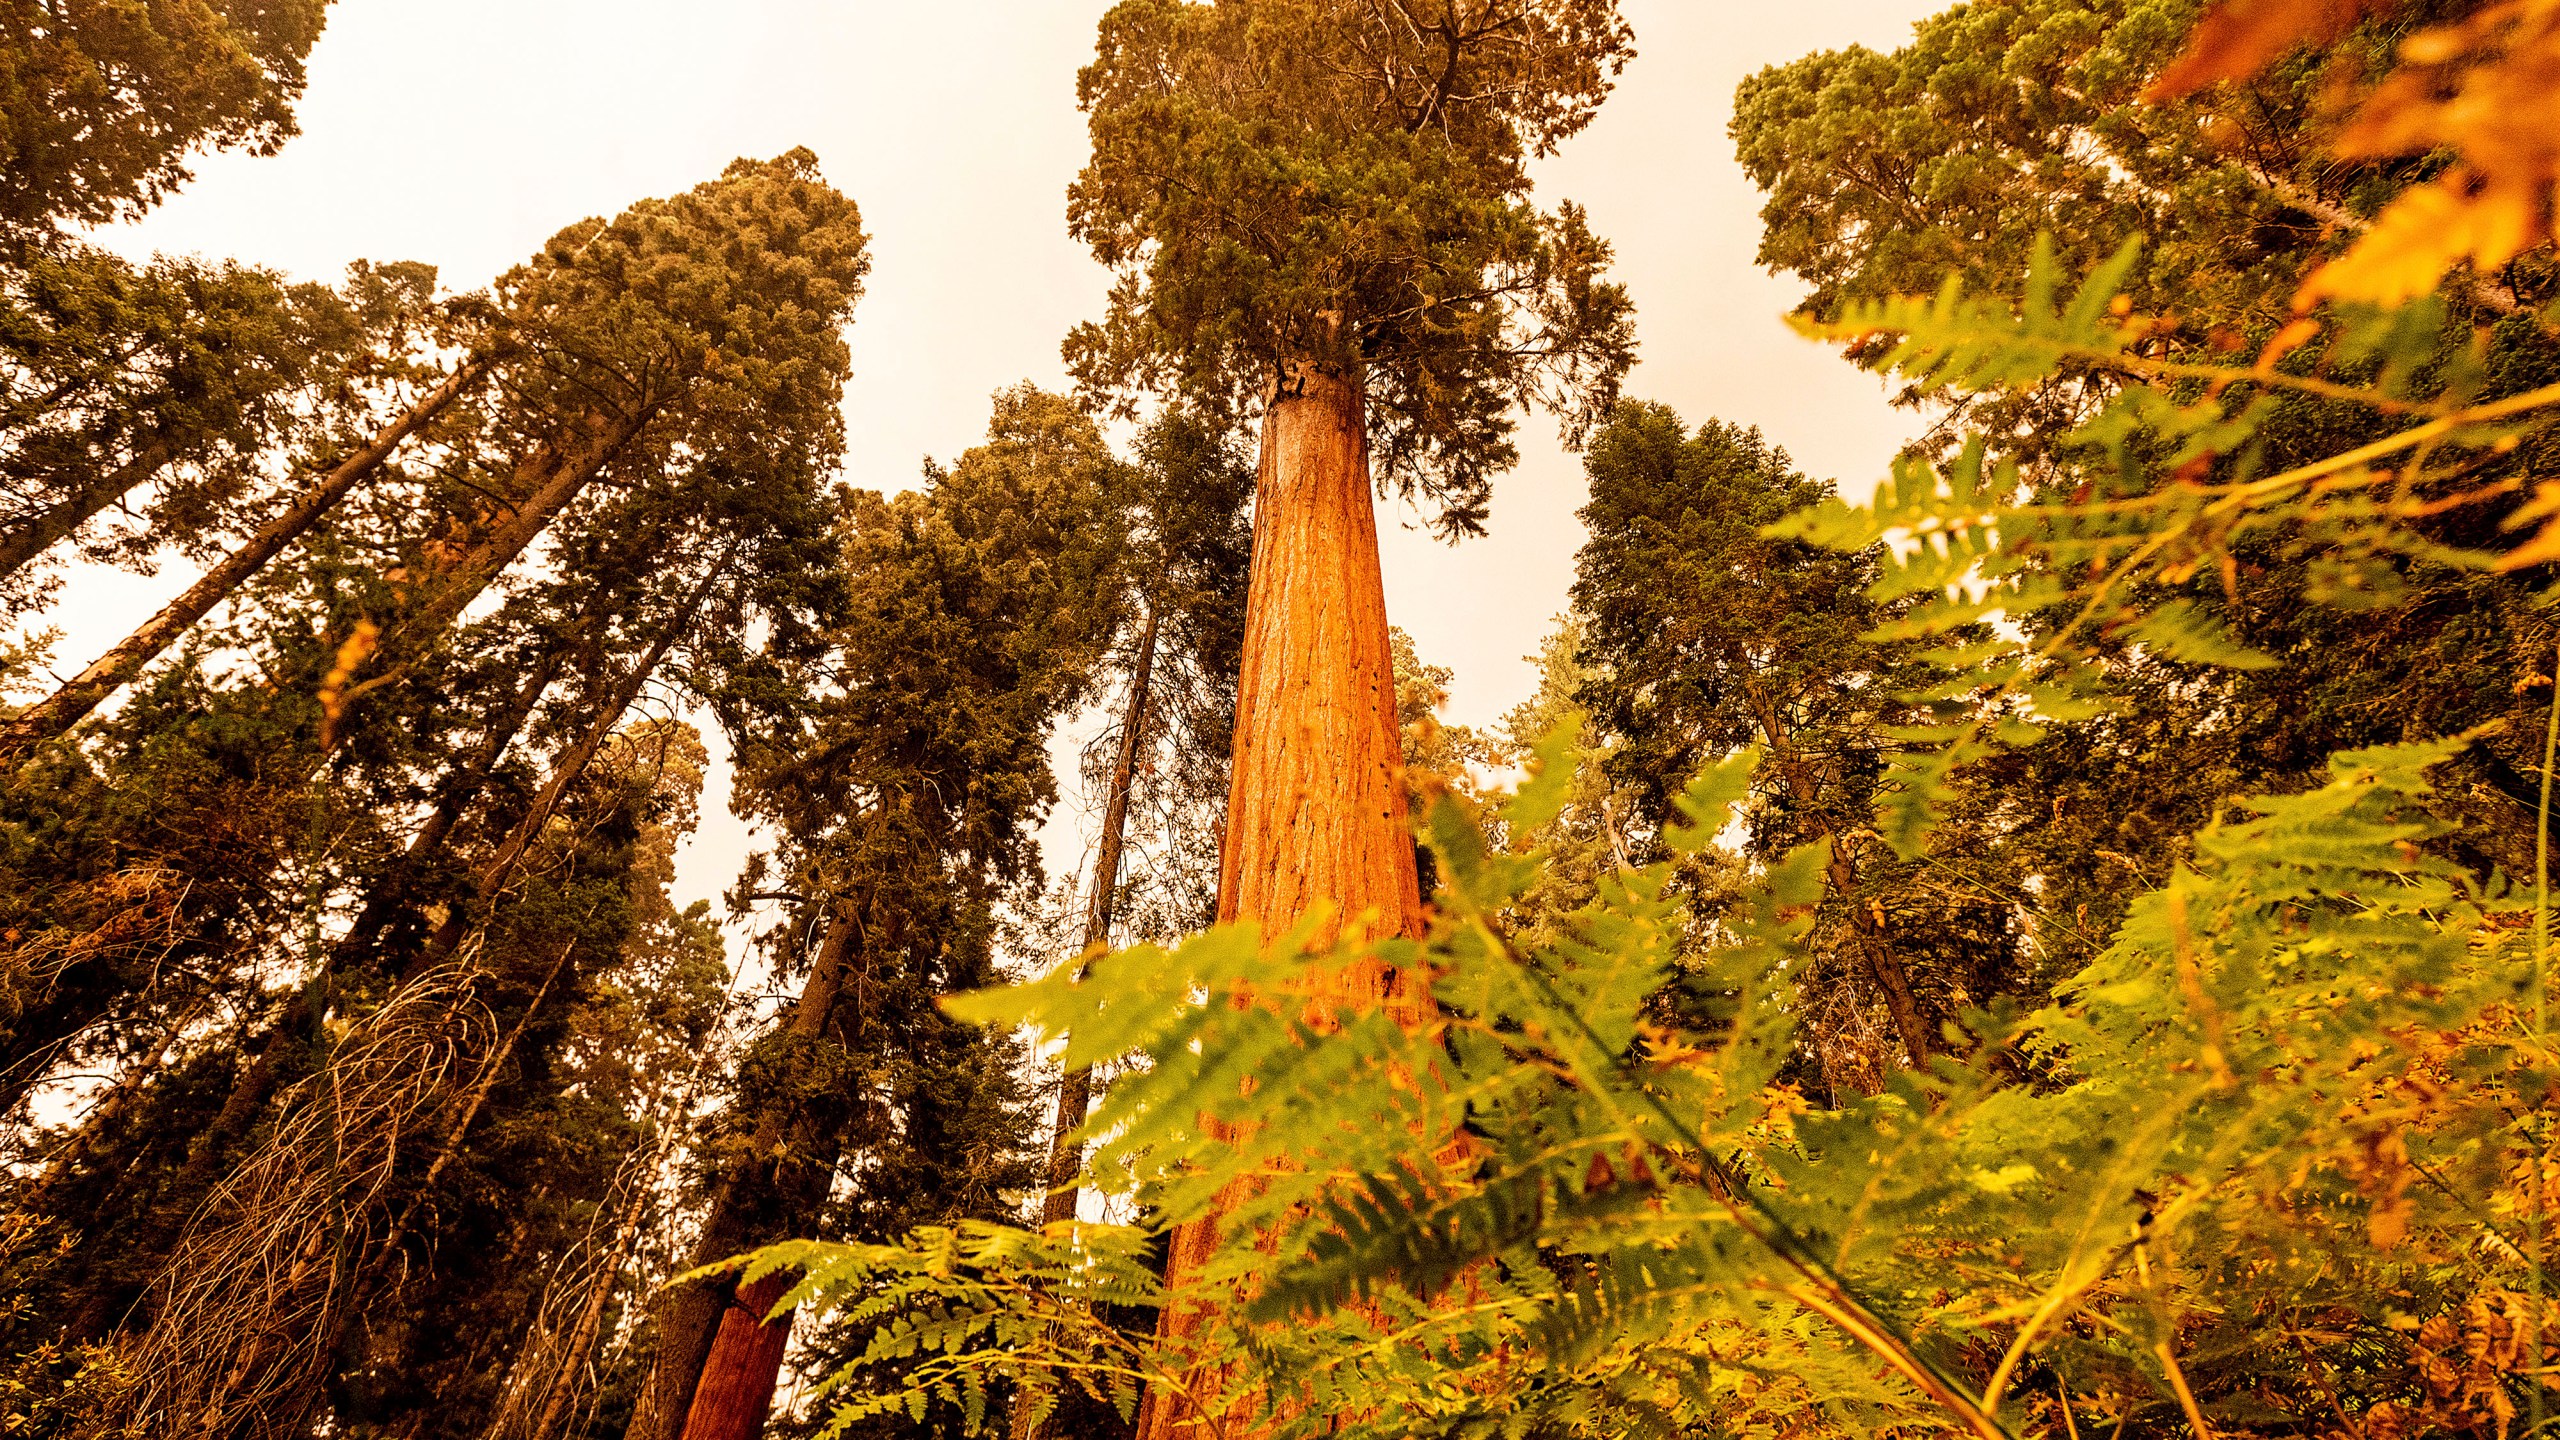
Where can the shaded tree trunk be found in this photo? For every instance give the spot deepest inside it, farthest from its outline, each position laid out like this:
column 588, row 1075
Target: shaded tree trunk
column 110, row 672
column 1316, row 808
column 1075, row 1088
column 20, row 547
column 1874, row 946
column 397, row 890
column 500, row 868
column 737, row 1386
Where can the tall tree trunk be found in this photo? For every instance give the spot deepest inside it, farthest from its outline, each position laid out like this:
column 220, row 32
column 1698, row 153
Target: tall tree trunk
column 1315, row 809
column 745, row 1365
column 693, row 1343
column 113, row 670
column 548, row 479
column 40, row 533
column 1075, row 1088
column 500, row 868
column 397, row 889
column 1865, row 925
column 561, row 1390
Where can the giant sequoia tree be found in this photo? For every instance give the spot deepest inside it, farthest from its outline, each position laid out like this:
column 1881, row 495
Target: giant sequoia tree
column 1320, row 216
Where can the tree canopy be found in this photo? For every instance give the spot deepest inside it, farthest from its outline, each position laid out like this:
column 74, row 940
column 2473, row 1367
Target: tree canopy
column 1290, row 182
column 103, row 102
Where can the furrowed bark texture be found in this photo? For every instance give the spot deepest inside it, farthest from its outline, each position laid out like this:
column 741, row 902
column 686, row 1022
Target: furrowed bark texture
column 1315, row 808
column 110, row 672
column 737, row 1388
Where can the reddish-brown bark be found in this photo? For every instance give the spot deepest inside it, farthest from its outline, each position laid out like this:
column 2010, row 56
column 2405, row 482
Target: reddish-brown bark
column 746, row 1361
column 1316, row 808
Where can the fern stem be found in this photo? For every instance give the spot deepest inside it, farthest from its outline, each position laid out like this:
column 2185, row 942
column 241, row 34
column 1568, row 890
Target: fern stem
column 2178, row 1382
column 1823, row 1291
column 2541, row 1015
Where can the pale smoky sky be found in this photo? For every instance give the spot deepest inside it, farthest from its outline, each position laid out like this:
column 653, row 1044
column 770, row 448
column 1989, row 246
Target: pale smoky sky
column 464, row 132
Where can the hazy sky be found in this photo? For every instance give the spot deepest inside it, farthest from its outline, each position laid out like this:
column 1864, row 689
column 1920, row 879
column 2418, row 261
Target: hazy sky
column 464, row 132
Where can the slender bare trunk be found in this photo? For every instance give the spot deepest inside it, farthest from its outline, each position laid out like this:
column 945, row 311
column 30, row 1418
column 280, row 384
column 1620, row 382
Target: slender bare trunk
column 562, row 1389
column 1883, row 965
column 1315, row 810
column 40, row 533
column 1075, row 1088
column 85, row 691
column 396, row 890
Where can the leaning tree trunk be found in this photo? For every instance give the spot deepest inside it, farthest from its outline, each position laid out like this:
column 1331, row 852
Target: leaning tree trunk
column 499, row 869
column 698, row 1350
column 548, row 479
column 1315, row 808
column 394, row 893
column 41, row 532
column 1075, row 1088
column 85, row 691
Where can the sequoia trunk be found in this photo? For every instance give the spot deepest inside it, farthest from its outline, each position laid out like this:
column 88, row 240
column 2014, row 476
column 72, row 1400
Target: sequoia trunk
column 1315, row 808
column 746, row 1363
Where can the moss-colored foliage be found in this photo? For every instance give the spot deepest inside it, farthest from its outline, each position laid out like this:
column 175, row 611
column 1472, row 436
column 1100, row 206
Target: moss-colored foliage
column 102, row 103
column 1292, row 182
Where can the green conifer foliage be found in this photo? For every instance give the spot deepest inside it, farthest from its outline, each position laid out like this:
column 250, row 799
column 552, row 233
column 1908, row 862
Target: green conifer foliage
column 178, row 380
column 102, row 102
column 2008, row 126
column 675, row 328
column 1704, row 636
column 908, row 795
column 2003, row 121
column 1289, row 182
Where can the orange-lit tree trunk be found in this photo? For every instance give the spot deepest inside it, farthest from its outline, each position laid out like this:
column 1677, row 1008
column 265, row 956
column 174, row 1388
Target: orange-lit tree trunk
column 746, row 1362
column 1315, row 808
